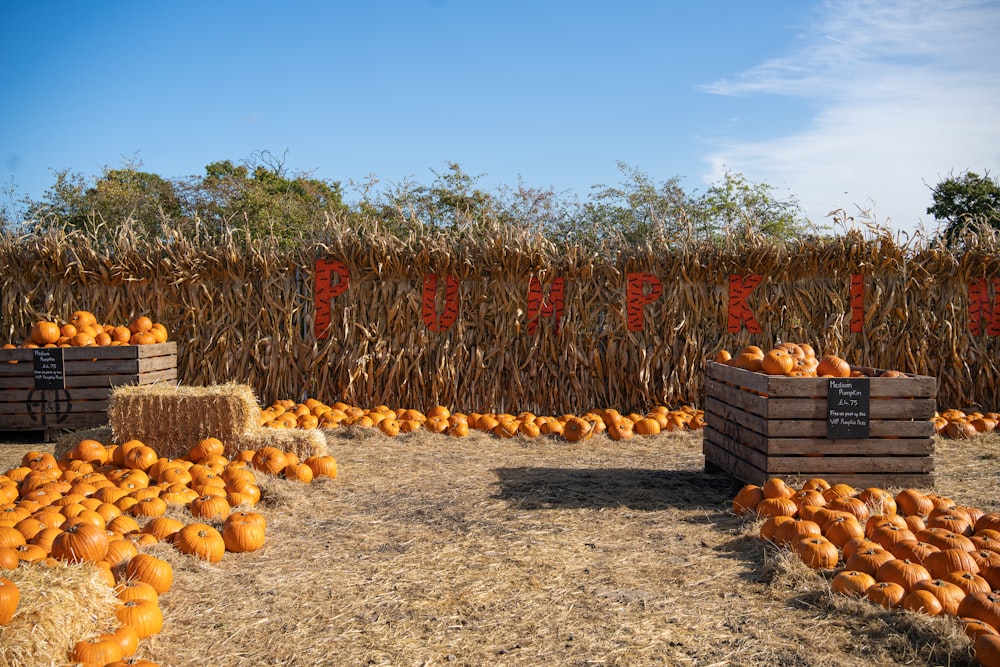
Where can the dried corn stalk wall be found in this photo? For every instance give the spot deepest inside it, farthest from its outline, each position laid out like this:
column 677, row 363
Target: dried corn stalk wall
column 247, row 315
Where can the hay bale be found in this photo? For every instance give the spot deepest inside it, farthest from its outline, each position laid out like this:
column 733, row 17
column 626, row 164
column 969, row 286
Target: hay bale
column 67, row 441
column 302, row 442
column 171, row 418
column 60, row 605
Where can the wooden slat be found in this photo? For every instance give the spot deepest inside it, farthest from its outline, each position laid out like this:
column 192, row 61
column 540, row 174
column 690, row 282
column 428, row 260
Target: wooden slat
column 120, row 351
column 735, row 466
column 72, row 420
column 97, row 352
column 917, row 386
column 54, row 407
column 817, row 466
column 821, row 447
column 118, row 366
column 811, row 428
column 747, row 473
column 19, row 396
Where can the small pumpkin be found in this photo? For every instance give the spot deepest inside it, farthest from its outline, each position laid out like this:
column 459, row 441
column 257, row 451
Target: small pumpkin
column 902, row 572
column 887, row 594
column 270, row 460
column 144, row 616
column 244, row 531
column 868, row 560
column 747, row 499
column 96, row 651
column 201, row 540
column 852, row 583
column 210, row 507
column 818, row 553
column 10, row 597
column 322, row 466
column 922, row 601
column 126, row 638
column 948, row 594
column 154, row 571
column 136, row 589
column 982, row 606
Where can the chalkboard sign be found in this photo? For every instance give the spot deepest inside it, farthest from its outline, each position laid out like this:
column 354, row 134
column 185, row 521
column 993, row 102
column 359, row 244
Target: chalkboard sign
column 49, row 370
column 848, row 404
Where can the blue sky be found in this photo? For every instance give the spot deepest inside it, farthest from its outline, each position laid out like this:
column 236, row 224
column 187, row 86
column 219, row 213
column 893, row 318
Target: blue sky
column 842, row 104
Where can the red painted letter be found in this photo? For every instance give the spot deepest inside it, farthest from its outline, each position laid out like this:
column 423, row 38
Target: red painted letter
column 739, row 310
column 328, row 290
column 447, row 318
column 541, row 305
column 857, row 302
column 982, row 307
column 643, row 288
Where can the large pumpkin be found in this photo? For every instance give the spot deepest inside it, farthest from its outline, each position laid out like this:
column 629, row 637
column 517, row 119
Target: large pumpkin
column 81, row 542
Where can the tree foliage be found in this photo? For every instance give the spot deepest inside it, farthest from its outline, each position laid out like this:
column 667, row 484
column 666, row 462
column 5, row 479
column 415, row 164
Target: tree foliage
column 965, row 201
column 260, row 198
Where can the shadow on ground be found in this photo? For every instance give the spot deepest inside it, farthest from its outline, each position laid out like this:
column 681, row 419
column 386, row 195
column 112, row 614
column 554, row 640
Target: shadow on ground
column 639, row 489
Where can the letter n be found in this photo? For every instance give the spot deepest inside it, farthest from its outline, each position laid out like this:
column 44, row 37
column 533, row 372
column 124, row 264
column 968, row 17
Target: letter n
column 643, row 289
column 545, row 305
column 443, row 321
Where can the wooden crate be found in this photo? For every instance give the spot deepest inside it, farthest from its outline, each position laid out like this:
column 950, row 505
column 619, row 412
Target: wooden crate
column 88, row 376
column 760, row 426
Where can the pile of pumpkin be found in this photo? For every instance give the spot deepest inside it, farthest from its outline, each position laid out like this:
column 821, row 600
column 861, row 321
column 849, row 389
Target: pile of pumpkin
column 102, row 504
column 439, row 419
column 83, row 330
column 960, row 425
column 914, row 551
column 792, row 360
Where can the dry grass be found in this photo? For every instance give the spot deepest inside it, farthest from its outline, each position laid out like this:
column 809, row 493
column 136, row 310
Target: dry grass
column 59, row 606
column 430, row 550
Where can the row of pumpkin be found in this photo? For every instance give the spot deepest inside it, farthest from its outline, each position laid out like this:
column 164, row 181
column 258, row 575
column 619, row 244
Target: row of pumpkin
column 914, row 551
column 313, row 413
column 82, row 329
column 102, row 504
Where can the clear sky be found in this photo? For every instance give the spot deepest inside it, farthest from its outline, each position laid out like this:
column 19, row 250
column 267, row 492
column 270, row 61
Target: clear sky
column 842, row 103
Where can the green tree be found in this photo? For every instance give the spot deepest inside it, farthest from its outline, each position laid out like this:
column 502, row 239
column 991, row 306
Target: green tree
column 965, row 201
column 125, row 196
column 451, row 201
column 262, row 197
column 636, row 210
column 738, row 207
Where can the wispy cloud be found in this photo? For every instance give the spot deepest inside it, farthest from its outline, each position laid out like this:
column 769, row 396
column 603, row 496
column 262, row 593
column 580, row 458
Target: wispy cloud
column 906, row 92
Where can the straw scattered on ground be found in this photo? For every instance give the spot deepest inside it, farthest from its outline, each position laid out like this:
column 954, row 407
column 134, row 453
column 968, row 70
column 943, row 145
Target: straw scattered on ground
column 60, row 605
column 430, row 550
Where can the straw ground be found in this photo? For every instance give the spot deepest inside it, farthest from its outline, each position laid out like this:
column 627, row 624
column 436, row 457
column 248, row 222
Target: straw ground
column 429, row 550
